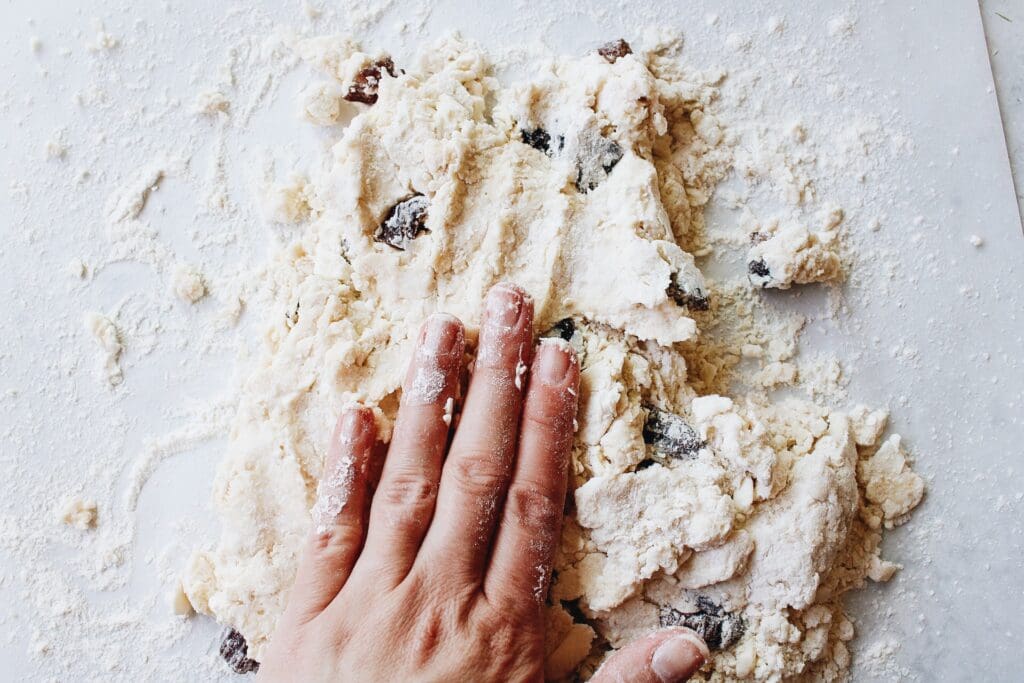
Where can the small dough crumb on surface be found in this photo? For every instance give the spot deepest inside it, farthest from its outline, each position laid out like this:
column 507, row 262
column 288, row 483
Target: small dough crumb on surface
column 289, row 202
column 79, row 513
column 107, row 337
column 127, row 201
column 187, row 283
column 211, row 102
column 783, row 256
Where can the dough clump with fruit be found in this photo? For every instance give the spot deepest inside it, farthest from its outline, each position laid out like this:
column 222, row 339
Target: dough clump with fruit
column 741, row 518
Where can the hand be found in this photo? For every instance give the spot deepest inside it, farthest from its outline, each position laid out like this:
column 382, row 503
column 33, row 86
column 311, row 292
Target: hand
column 442, row 571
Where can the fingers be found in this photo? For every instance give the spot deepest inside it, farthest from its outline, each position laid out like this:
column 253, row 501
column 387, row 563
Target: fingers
column 339, row 516
column 478, row 466
column 666, row 656
column 403, row 503
column 532, row 518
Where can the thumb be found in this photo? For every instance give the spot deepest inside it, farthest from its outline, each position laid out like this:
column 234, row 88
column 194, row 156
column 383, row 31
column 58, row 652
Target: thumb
column 671, row 655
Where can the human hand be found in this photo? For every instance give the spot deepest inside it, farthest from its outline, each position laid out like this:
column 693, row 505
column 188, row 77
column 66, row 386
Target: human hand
column 441, row 572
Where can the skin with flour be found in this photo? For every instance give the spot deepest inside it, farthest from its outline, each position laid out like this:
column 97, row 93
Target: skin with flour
column 443, row 563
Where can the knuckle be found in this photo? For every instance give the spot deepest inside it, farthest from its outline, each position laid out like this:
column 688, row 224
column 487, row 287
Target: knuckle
column 407, row 491
column 476, row 473
column 550, row 414
column 339, row 537
column 535, row 508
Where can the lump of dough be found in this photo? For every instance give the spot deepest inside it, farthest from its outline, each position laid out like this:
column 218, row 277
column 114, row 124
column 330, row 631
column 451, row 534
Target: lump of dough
column 187, row 283
column 788, row 255
column 106, row 335
column 642, row 522
column 79, row 513
column 891, row 488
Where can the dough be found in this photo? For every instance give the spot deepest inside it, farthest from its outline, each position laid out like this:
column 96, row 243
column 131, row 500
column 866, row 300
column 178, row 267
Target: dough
column 729, row 515
column 787, row 255
column 108, row 338
column 188, row 283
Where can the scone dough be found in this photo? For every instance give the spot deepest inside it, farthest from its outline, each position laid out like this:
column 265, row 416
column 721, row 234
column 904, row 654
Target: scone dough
column 580, row 185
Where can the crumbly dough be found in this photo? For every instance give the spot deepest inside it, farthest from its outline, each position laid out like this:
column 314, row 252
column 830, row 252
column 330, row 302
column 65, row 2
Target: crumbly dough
column 791, row 254
column 734, row 516
column 107, row 337
column 288, row 202
column 187, row 283
column 79, row 513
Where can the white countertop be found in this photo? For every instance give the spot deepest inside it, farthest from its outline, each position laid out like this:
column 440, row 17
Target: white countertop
column 938, row 341
column 1004, row 29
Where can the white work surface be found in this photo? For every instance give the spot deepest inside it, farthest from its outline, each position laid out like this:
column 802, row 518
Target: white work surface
column 940, row 343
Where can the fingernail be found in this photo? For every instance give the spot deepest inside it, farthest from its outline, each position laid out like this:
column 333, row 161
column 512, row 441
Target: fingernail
column 555, row 361
column 504, row 305
column 677, row 658
column 353, row 424
column 440, row 334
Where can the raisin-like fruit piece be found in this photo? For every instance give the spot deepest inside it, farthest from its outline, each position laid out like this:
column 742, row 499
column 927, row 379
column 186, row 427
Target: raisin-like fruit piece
column 567, row 329
column 234, row 650
column 292, row 318
column 669, row 434
column 615, row 49
column 364, row 87
column 687, row 295
column 575, row 611
column 759, row 274
column 564, row 328
column 540, row 139
column 404, row 223
column 596, row 158
column 718, row 628
column 758, row 268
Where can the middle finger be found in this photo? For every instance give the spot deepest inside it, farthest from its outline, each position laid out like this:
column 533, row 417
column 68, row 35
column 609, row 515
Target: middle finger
column 477, row 469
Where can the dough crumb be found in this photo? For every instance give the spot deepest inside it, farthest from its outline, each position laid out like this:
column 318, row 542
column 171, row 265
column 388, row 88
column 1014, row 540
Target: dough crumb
column 106, row 335
column 785, row 255
column 103, row 41
column 179, row 601
column 322, row 103
column 187, row 283
column 289, row 202
column 841, row 26
column 891, row 488
column 79, row 513
column 211, row 102
column 77, row 268
column 881, row 570
column 127, row 201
